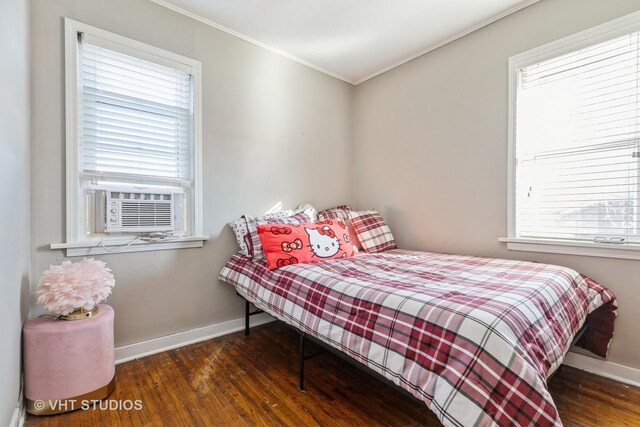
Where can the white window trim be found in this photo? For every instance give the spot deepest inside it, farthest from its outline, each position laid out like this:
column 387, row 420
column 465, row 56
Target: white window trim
column 617, row 27
column 123, row 246
column 75, row 244
column 573, row 247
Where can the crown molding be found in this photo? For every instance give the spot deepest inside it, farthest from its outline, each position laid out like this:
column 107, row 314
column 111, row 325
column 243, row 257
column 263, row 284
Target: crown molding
column 250, row 40
column 448, row 40
column 411, row 57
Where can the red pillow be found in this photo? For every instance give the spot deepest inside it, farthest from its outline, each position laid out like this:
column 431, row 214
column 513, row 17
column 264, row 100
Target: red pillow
column 342, row 211
column 287, row 244
column 353, row 235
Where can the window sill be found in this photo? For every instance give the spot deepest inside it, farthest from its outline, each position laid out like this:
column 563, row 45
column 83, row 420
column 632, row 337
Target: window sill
column 123, row 246
column 569, row 247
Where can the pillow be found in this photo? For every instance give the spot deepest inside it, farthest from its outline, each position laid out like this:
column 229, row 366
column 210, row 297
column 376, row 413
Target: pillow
column 254, row 244
column 341, row 211
column 239, row 227
column 288, row 244
column 374, row 234
column 353, row 236
column 309, row 210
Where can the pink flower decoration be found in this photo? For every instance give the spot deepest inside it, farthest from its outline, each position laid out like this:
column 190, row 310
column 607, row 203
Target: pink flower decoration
column 63, row 288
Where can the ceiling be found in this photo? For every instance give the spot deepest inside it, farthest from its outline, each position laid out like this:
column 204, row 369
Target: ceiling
column 352, row 40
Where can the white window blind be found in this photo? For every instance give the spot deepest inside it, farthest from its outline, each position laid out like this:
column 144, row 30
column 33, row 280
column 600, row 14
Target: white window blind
column 135, row 120
column 577, row 149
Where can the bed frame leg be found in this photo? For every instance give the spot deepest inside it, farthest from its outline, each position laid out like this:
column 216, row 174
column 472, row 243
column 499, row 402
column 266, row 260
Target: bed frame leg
column 301, row 362
column 247, row 314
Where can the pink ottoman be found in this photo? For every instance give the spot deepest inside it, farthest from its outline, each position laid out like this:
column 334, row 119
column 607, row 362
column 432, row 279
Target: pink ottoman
column 67, row 362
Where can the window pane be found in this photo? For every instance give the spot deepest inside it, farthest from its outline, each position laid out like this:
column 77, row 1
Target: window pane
column 136, row 116
column 577, row 128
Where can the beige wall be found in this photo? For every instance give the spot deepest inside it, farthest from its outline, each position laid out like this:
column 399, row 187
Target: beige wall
column 431, row 148
column 14, row 196
column 274, row 132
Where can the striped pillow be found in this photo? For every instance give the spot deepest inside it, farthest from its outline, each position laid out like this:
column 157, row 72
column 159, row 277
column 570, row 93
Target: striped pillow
column 374, row 234
column 309, row 210
column 341, row 211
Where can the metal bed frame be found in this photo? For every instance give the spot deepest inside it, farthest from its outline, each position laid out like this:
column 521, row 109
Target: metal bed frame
column 303, row 357
column 304, row 337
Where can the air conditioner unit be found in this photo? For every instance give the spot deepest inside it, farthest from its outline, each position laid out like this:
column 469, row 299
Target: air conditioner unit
column 134, row 211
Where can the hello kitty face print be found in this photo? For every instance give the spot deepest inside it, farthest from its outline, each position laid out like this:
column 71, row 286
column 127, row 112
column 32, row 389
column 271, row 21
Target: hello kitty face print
column 323, row 241
column 287, row 245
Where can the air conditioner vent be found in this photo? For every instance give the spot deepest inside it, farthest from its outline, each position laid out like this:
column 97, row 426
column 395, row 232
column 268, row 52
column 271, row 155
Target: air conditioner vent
column 132, row 211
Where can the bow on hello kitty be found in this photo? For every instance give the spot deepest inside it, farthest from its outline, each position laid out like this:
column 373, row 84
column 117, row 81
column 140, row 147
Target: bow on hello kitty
column 280, row 230
column 283, row 262
column 291, row 246
column 327, row 231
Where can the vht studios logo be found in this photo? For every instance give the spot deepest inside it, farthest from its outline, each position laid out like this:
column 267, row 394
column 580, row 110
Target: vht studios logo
column 86, row 405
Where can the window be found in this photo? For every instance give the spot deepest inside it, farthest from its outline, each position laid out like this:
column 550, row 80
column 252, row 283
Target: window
column 575, row 139
column 135, row 117
column 133, row 145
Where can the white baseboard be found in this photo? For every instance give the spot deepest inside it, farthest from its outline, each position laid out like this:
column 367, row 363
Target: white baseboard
column 19, row 413
column 614, row 371
column 169, row 342
column 17, row 420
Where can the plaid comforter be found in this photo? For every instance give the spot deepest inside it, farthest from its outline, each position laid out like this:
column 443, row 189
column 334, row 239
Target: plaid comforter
column 474, row 338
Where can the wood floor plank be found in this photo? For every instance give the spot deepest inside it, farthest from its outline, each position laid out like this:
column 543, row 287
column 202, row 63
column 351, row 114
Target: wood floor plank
column 253, row 381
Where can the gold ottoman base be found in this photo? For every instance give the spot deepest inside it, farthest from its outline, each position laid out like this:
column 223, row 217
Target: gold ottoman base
column 51, row 407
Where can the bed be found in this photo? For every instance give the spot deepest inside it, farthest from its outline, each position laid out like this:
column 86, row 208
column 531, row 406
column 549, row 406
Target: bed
column 474, row 338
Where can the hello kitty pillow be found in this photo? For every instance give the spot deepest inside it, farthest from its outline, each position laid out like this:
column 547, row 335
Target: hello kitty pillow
column 287, row 244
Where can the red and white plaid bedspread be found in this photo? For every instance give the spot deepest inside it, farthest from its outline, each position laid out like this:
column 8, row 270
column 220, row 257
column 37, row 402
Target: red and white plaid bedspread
column 474, row 338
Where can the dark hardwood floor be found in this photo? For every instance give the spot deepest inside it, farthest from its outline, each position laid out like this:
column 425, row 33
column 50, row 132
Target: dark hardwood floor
column 237, row 380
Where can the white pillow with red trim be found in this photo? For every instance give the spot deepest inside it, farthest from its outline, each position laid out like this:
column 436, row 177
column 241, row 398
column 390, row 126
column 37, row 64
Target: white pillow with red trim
column 240, row 229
